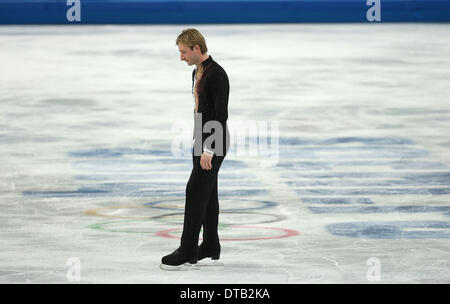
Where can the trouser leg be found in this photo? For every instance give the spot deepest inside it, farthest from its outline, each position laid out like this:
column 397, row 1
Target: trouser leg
column 201, row 185
column 211, row 220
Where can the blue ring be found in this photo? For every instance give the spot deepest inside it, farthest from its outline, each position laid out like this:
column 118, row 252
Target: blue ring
column 265, row 205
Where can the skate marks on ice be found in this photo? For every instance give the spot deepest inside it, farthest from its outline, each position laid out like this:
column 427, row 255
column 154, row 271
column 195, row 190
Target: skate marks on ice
column 141, row 173
column 331, row 176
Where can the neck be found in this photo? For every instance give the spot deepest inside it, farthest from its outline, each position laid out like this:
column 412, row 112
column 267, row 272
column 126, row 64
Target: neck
column 203, row 57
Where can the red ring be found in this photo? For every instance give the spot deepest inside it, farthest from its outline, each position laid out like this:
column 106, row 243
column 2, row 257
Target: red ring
column 287, row 233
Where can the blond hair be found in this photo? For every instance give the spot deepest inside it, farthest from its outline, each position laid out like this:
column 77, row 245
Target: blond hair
column 191, row 37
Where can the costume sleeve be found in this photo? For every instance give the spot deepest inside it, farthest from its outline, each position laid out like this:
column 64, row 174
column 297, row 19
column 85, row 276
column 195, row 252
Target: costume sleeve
column 220, row 89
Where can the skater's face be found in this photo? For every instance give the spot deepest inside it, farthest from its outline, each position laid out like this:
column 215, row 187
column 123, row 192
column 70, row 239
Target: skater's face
column 191, row 56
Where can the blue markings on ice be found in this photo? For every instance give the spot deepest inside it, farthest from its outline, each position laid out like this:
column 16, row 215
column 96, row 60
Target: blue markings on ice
column 373, row 191
column 144, row 173
column 136, row 190
column 340, row 140
column 350, row 175
column 392, row 230
column 382, row 209
column 117, row 152
column 321, row 164
column 346, row 175
column 337, row 201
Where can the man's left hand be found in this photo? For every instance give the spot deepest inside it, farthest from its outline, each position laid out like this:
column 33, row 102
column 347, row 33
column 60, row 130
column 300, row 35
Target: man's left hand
column 206, row 160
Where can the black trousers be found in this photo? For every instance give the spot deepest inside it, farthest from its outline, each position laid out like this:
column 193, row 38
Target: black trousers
column 202, row 206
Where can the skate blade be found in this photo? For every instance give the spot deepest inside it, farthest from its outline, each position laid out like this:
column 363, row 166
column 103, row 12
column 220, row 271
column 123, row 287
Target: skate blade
column 210, row 262
column 183, row 267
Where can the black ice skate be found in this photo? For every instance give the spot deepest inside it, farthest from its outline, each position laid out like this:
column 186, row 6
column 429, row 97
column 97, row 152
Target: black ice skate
column 205, row 252
column 178, row 261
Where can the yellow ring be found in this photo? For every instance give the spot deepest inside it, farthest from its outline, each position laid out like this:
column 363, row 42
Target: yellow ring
column 95, row 212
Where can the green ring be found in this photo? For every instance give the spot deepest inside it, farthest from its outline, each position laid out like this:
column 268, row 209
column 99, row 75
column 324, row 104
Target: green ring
column 100, row 226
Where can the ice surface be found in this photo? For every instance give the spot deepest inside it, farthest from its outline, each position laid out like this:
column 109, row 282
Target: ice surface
column 87, row 124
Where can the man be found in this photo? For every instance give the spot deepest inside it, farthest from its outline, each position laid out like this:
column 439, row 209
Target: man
column 210, row 88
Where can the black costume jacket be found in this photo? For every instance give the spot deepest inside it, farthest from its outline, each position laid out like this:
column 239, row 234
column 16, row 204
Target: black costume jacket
column 212, row 90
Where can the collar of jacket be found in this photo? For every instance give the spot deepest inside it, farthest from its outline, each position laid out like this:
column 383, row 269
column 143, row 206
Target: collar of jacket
column 207, row 61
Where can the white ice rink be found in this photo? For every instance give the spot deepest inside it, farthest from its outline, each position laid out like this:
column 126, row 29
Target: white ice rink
column 359, row 194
